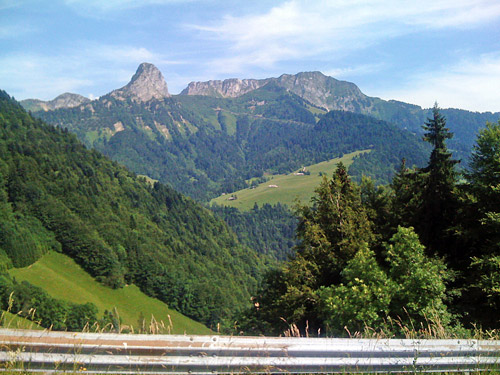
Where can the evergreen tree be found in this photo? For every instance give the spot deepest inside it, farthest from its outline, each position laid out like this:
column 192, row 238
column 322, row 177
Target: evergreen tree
column 426, row 198
column 330, row 233
column 484, row 173
column 439, row 203
column 334, row 228
column 407, row 186
column 482, row 228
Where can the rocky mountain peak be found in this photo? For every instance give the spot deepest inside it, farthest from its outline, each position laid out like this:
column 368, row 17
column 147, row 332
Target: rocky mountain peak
column 229, row 88
column 315, row 87
column 322, row 90
column 147, row 83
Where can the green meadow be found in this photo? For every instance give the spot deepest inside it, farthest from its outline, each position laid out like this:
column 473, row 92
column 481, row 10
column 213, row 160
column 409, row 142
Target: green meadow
column 13, row 321
column 62, row 278
column 290, row 187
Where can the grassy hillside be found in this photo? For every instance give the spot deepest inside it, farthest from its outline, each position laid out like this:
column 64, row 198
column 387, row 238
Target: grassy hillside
column 62, row 278
column 290, row 186
column 57, row 195
column 13, row 321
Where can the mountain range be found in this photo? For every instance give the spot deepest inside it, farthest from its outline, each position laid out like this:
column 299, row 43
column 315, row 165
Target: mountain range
column 314, row 87
column 215, row 135
column 58, row 195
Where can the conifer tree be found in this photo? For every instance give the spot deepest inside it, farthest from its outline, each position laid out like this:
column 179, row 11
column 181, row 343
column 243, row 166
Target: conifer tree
column 408, row 187
column 330, row 234
column 483, row 229
column 334, row 228
column 425, row 198
column 439, row 202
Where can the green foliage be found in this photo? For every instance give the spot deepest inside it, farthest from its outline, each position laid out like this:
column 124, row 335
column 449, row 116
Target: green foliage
column 330, row 231
column 56, row 194
column 480, row 228
column 419, row 282
column 488, row 280
column 377, row 201
column 34, row 303
column 336, row 282
column 426, row 198
column 268, row 229
column 484, row 166
column 439, row 198
column 347, row 276
column 204, row 146
column 361, row 300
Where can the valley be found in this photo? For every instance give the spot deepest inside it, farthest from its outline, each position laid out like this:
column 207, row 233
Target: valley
column 204, row 145
column 285, row 189
column 74, row 219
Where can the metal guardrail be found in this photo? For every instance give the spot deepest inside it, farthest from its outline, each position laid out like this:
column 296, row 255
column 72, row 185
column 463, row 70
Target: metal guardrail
column 45, row 351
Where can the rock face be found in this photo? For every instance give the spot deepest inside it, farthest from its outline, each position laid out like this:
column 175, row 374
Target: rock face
column 315, row 87
column 229, row 88
column 66, row 100
column 146, row 84
column 323, row 91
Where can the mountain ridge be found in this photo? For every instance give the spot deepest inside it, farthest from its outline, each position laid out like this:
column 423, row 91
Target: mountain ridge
column 209, row 138
column 314, row 87
column 66, row 100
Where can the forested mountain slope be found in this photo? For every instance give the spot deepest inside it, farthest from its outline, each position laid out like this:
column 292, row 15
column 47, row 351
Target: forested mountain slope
column 332, row 94
column 55, row 194
column 204, row 146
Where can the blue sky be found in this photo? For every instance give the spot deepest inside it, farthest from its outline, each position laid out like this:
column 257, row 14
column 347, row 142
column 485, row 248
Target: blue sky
column 415, row 51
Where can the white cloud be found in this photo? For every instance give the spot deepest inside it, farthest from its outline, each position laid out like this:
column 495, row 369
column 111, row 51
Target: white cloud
column 469, row 84
column 87, row 68
column 300, row 29
column 356, row 70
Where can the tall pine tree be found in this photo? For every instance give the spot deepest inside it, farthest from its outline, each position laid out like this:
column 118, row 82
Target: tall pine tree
column 439, row 200
column 425, row 198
